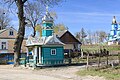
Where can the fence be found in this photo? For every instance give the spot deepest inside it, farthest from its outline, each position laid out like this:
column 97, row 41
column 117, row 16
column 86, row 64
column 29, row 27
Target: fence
column 101, row 55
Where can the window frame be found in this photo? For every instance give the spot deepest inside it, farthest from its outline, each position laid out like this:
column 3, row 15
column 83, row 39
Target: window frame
column 52, row 51
column 2, row 45
column 11, row 32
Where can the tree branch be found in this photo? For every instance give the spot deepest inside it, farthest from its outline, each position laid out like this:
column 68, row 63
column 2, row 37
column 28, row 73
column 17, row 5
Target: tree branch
column 30, row 23
column 24, row 1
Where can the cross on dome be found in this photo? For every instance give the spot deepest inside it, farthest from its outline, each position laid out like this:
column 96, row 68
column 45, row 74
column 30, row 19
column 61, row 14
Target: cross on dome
column 114, row 20
column 47, row 8
column 47, row 17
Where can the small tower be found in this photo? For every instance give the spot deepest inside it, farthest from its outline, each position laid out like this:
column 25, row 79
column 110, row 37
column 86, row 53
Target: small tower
column 118, row 31
column 47, row 22
column 47, row 50
column 114, row 35
column 113, row 31
column 114, row 27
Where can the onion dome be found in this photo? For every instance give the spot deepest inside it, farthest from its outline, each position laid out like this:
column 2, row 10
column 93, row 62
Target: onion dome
column 47, row 17
column 114, row 20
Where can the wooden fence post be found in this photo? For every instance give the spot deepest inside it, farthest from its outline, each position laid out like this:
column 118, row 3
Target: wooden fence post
column 107, row 54
column 69, row 56
column 119, row 57
column 82, row 53
column 87, row 60
column 99, row 58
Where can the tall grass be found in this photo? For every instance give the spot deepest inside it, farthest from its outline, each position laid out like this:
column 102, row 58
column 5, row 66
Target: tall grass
column 108, row 73
column 98, row 47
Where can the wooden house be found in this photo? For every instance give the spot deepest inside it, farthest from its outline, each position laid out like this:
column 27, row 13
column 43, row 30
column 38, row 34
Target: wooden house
column 69, row 40
column 7, row 38
column 72, row 44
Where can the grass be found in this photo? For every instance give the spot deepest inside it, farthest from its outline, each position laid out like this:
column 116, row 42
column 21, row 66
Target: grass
column 108, row 73
column 114, row 57
column 94, row 59
column 98, row 47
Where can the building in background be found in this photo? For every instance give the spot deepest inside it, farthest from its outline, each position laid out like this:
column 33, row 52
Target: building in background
column 7, row 39
column 72, row 47
column 114, row 36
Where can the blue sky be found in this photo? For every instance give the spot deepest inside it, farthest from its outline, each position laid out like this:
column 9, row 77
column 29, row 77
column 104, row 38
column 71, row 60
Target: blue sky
column 92, row 15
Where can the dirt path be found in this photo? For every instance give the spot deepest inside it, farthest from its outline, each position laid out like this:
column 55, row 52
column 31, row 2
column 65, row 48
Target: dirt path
column 7, row 72
column 10, row 73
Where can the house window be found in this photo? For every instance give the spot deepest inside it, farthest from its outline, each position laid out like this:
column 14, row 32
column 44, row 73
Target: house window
column 11, row 33
column 75, row 46
column 3, row 46
column 53, row 51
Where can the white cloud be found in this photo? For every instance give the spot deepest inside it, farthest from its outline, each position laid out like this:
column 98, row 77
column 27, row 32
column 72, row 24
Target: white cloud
column 89, row 13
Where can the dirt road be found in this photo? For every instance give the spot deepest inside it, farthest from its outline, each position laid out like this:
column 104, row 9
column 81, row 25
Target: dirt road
column 10, row 73
column 7, row 72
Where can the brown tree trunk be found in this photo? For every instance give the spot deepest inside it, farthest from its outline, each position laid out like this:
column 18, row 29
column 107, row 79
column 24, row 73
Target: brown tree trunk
column 21, row 32
column 34, row 32
column 107, row 55
column 99, row 58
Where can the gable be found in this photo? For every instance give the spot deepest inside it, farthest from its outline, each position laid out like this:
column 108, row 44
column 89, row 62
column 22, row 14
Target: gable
column 68, row 38
column 31, row 41
column 53, row 40
column 7, row 33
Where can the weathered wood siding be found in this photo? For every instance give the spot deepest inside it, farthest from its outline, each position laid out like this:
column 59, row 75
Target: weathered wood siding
column 70, row 41
column 47, row 58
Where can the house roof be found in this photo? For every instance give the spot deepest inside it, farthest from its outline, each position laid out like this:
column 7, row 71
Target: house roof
column 51, row 40
column 62, row 34
column 1, row 31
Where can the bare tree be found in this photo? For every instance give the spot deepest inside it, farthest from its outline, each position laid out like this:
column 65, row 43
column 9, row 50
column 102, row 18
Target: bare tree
column 96, row 37
column 33, row 14
column 99, row 36
column 77, row 35
column 4, row 19
column 53, row 14
column 59, row 27
column 90, row 35
column 21, row 16
column 102, row 36
column 39, row 28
